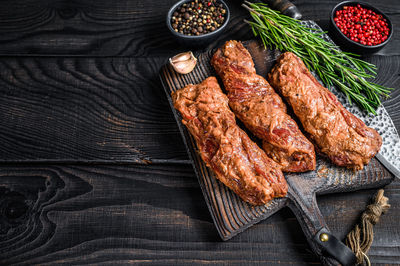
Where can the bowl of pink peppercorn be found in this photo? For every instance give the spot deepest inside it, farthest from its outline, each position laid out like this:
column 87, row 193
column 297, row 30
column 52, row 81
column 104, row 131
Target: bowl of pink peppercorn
column 359, row 27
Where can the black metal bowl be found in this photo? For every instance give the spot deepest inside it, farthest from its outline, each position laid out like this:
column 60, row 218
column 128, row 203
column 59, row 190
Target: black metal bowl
column 196, row 40
column 346, row 43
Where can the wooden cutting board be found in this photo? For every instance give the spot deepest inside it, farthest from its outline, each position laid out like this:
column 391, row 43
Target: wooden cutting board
column 231, row 215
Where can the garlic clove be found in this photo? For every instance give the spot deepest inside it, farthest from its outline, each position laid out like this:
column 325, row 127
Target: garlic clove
column 182, row 57
column 183, row 63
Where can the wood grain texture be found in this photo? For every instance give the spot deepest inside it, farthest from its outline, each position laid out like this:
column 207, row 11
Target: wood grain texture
column 119, row 214
column 117, row 28
column 145, row 214
column 85, row 109
column 127, row 28
column 104, row 109
column 125, row 115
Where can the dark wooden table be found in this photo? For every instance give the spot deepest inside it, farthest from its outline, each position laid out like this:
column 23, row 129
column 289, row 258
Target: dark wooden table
column 93, row 168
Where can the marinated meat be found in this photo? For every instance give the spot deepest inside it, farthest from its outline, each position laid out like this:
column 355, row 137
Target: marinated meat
column 261, row 109
column 344, row 138
column 226, row 149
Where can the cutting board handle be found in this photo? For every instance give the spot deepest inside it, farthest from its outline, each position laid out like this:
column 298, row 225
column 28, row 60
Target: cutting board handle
column 303, row 203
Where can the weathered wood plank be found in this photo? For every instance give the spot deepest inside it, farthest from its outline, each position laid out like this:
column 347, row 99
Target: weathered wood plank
column 85, row 109
column 126, row 28
column 155, row 215
column 133, row 214
column 103, row 109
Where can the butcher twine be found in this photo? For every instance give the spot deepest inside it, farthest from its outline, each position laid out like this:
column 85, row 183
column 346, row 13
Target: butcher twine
column 361, row 237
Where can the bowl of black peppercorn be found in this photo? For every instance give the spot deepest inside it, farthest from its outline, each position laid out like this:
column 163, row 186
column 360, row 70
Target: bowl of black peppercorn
column 197, row 22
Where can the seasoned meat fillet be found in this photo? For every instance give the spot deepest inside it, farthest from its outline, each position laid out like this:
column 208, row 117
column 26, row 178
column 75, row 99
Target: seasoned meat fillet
column 344, row 138
column 262, row 111
column 226, row 149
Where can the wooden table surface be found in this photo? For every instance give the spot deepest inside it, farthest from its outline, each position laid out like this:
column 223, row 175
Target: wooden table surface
column 92, row 165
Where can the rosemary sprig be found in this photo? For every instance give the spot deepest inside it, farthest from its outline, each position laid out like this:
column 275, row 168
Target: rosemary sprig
column 333, row 66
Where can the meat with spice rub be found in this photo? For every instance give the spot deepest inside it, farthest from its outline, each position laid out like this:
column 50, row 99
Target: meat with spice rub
column 261, row 109
column 226, row 149
column 344, row 138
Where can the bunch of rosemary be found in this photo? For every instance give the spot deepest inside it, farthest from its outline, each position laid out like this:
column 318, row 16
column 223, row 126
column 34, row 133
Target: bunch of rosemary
column 333, row 66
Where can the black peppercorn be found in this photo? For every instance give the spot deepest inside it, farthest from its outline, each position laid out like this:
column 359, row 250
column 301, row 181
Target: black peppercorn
column 198, row 17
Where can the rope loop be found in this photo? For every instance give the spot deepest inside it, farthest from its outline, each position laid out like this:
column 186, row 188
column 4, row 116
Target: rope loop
column 361, row 237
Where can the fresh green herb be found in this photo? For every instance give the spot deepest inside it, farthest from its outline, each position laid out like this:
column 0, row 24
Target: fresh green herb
column 333, row 66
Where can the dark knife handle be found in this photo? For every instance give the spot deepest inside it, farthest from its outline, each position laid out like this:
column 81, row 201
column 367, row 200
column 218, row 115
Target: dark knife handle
column 285, row 7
